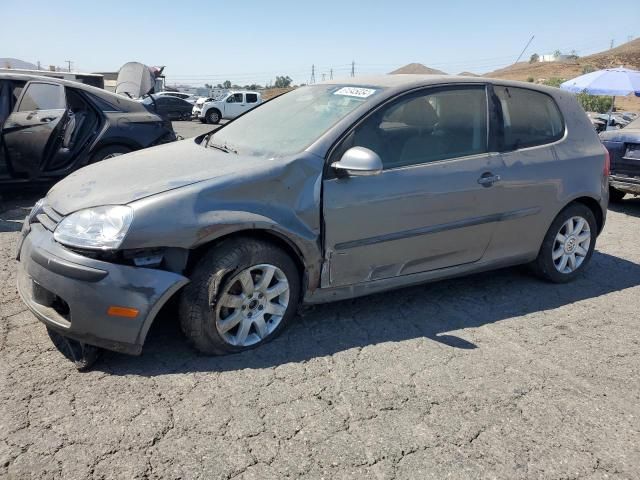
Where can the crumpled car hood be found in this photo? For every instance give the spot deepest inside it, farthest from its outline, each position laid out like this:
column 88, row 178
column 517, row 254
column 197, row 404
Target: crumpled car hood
column 140, row 174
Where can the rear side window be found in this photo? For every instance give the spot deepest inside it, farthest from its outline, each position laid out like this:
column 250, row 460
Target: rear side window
column 252, row 97
column 42, row 96
column 529, row 118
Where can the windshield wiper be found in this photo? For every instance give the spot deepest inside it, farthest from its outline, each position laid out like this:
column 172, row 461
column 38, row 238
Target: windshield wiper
column 225, row 148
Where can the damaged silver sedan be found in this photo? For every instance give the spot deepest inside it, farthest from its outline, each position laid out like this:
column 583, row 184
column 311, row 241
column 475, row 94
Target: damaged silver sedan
column 328, row 192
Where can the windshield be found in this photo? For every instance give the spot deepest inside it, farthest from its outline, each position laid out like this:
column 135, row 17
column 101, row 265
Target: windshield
column 290, row 123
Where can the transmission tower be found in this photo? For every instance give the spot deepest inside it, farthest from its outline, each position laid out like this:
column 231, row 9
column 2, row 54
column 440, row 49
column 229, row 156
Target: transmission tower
column 331, row 74
column 313, row 74
column 353, row 68
column 324, row 75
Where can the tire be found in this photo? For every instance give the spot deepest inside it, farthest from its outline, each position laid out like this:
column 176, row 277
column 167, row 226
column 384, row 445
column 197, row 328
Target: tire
column 615, row 195
column 219, row 279
column 213, row 116
column 81, row 354
column 549, row 268
column 109, row 152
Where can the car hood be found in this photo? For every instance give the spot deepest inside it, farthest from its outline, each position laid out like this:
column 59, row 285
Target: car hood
column 140, row 174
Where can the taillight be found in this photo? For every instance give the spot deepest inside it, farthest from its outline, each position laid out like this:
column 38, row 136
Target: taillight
column 607, row 163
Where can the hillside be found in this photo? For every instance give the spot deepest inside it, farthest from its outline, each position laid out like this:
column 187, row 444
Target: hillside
column 15, row 63
column 417, row 69
column 627, row 54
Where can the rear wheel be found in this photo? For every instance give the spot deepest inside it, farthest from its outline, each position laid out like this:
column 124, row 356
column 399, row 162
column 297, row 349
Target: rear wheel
column 241, row 295
column 568, row 245
column 615, row 195
column 109, row 152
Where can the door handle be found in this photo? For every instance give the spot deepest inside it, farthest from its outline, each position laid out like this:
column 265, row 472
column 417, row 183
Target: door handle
column 47, row 119
column 487, row 179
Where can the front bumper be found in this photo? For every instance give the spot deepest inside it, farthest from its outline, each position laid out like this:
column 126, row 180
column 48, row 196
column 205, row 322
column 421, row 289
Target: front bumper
column 625, row 184
column 71, row 293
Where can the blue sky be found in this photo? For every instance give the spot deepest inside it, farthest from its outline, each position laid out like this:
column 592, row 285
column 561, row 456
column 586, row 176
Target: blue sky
column 206, row 41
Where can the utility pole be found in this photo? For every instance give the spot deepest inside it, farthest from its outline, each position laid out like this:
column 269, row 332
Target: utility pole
column 331, row 74
column 313, row 74
column 524, row 49
column 38, row 64
column 353, row 68
column 69, row 62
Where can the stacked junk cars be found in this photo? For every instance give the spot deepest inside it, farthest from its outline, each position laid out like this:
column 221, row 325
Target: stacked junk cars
column 51, row 127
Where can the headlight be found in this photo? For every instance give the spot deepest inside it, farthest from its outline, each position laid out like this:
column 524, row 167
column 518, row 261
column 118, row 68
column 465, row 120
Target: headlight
column 102, row 228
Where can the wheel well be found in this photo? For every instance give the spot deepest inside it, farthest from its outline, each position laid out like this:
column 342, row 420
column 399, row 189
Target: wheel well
column 594, row 206
column 263, row 235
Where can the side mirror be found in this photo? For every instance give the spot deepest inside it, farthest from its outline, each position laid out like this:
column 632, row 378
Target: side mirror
column 359, row 161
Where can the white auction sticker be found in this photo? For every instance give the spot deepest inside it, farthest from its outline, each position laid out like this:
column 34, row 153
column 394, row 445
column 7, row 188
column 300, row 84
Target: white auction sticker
column 355, row 92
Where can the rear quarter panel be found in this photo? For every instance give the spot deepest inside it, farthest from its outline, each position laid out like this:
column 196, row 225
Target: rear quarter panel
column 541, row 181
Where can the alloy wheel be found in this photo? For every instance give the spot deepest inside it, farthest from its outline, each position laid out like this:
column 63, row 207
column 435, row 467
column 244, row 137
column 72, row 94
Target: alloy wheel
column 252, row 305
column 571, row 245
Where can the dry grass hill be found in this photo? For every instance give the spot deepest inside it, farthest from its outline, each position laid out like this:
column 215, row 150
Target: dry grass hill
column 627, row 55
column 417, row 69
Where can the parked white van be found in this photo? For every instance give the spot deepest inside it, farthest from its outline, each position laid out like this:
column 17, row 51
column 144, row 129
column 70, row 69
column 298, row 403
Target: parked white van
column 229, row 106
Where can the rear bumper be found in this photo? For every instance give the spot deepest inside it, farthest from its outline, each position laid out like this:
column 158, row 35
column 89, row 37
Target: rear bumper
column 72, row 294
column 625, row 184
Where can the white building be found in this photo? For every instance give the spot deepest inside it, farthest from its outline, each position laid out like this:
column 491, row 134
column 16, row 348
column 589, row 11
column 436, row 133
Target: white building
column 554, row 58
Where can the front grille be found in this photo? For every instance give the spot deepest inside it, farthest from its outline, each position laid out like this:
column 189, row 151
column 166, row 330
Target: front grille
column 48, row 218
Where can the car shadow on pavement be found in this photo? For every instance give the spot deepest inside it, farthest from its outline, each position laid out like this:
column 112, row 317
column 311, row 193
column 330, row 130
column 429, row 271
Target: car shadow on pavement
column 630, row 206
column 432, row 311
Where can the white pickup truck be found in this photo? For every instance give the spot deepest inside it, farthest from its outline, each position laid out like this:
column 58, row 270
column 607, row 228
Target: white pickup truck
column 228, row 106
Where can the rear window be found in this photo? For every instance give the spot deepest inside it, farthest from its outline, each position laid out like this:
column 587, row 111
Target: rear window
column 252, row 97
column 529, row 118
column 42, row 96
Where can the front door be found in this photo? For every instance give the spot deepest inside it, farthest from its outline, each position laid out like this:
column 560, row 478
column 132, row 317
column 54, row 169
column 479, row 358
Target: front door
column 31, row 133
column 433, row 206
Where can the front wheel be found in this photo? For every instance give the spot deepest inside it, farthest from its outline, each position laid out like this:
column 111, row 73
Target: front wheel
column 213, row 116
column 568, row 245
column 242, row 294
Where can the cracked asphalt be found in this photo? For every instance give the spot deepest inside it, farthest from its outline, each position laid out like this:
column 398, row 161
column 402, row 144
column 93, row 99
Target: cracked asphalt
column 497, row 375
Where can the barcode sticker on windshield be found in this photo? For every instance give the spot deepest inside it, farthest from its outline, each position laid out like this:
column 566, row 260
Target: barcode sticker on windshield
column 355, row 92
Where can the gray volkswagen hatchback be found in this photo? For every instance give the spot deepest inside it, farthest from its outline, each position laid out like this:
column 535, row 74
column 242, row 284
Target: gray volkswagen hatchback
column 331, row 191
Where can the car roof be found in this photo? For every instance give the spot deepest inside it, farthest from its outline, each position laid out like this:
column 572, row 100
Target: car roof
column 110, row 97
column 409, row 81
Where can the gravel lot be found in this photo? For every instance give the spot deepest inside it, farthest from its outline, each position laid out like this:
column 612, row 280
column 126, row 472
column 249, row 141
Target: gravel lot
column 492, row 376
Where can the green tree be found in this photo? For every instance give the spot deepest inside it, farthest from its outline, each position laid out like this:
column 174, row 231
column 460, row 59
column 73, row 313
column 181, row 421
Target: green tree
column 534, row 58
column 531, row 79
column 227, row 84
column 595, row 103
column 554, row 82
column 557, row 53
column 283, row 82
column 588, row 69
